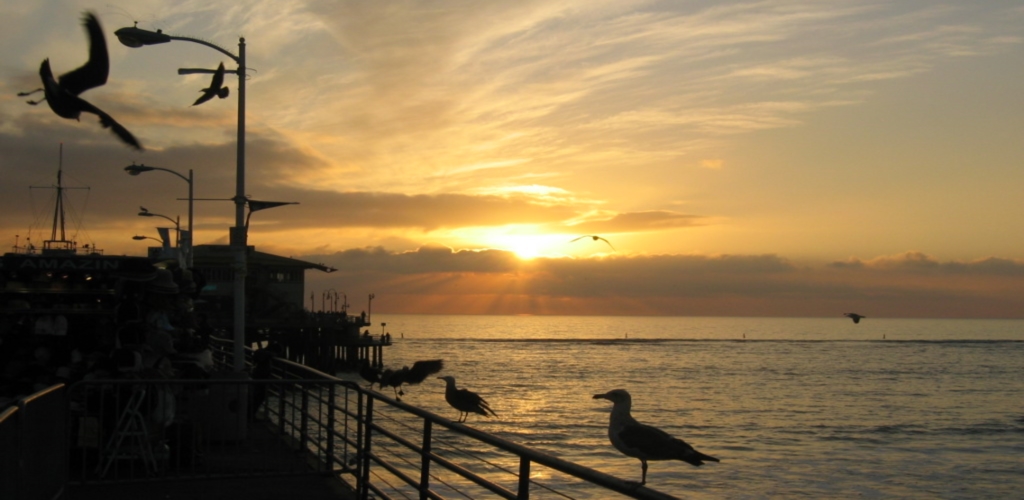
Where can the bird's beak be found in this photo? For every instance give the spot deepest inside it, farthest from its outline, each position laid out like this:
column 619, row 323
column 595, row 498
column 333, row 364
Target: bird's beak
column 600, row 396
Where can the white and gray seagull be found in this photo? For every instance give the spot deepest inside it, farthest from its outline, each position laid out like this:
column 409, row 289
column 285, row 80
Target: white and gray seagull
column 465, row 401
column 643, row 441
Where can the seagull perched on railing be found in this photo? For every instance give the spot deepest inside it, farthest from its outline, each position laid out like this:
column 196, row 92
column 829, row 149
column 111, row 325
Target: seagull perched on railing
column 643, row 441
column 216, row 88
column 854, row 316
column 396, row 378
column 595, row 238
column 62, row 93
column 464, row 400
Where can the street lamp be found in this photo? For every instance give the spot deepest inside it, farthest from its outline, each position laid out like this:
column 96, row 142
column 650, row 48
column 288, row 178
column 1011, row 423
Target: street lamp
column 177, row 227
column 135, row 37
column 134, row 169
column 139, row 237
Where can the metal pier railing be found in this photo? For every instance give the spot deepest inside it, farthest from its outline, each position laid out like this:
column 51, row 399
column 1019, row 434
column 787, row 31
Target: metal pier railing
column 309, row 423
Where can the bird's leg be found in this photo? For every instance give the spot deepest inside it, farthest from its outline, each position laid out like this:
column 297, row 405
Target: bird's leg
column 643, row 468
column 23, row 94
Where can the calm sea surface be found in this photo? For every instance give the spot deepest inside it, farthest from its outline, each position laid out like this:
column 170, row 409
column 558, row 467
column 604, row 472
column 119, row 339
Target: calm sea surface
column 808, row 407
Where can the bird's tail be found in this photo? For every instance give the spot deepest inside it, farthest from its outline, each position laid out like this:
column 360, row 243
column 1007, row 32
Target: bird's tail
column 696, row 458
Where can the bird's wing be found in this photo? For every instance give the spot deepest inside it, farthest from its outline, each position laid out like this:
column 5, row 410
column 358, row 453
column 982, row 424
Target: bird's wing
column 207, row 95
column 218, row 78
column 108, row 122
column 651, row 443
column 422, row 369
column 606, row 241
column 646, row 440
column 95, row 71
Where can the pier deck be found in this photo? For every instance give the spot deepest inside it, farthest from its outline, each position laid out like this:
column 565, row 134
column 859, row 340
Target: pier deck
column 262, row 446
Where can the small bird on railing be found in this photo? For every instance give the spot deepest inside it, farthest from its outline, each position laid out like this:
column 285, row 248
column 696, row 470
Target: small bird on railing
column 216, row 88
column 643, row 441
column 396, row 378
column 464, row 400
column 62, row 93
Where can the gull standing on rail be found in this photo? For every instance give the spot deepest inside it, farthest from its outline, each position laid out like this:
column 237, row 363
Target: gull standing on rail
column 464, row 400
column 62, row 93
column 643, row 441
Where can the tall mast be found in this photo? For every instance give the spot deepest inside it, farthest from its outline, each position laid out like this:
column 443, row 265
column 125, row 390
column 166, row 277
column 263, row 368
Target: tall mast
column 58, row 242
column 58, row 209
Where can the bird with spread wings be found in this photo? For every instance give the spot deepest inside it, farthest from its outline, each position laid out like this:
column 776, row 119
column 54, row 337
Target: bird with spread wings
column 595, row 238
column 62, row 94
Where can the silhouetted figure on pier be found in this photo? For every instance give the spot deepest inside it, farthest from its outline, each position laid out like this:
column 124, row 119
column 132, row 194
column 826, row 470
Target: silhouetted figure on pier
column 464, row 400
column 62, row 93
column 262, row 361
column 643, row 441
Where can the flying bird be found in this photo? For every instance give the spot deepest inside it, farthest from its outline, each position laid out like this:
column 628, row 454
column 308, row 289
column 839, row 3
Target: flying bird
column 464, row 400
column 854, row 316
column 643, row 441
column 62, row 93
column 595, row 238
column 396, row 378
column 216, row 87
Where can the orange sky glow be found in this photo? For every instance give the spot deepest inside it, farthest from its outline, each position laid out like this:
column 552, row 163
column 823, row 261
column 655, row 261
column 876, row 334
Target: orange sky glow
column 776, row 158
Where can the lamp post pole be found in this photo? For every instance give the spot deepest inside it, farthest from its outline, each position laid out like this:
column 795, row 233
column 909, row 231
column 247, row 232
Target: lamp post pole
column 134, row 169
column 136, row 37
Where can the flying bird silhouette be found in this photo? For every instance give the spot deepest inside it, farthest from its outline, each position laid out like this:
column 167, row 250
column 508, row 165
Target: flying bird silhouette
column 62, row 93
column 643, row 441
column 216, row 87
column 464, row 400
column 595, row 238
column 854, row 316
column 396, row 378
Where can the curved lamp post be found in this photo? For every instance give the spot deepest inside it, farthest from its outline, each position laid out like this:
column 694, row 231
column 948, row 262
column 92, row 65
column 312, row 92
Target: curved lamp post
column 139, row 237
column 134, row 169
column 177, row 227
column 135, row 37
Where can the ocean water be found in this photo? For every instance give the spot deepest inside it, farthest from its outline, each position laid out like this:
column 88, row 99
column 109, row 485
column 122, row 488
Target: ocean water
column 806, row 407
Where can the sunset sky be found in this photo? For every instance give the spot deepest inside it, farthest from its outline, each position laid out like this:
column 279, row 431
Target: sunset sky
column 750, row 158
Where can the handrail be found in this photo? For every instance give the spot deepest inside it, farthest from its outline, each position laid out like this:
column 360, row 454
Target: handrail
column 527, row 455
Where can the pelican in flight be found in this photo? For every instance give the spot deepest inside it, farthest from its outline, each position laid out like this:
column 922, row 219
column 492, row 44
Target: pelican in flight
column 643, row 441
column 854, row 316
column 595, row 238
column 216, row 87
column 62, row 93
column 464, row 400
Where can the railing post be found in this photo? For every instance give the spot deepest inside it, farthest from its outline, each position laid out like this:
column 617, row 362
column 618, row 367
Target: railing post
column 330, row 427
column 425, row 460
column 304, row 419
column 365, row 452
column 524, row 478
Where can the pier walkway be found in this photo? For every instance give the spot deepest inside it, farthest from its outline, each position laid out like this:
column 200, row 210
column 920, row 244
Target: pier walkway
column 263, row 448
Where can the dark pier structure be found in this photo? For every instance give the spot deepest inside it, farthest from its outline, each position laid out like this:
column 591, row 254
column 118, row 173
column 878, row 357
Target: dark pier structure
column 329, row 341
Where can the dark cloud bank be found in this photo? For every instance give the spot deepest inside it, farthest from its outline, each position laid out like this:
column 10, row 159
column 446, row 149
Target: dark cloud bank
column 439, row 280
